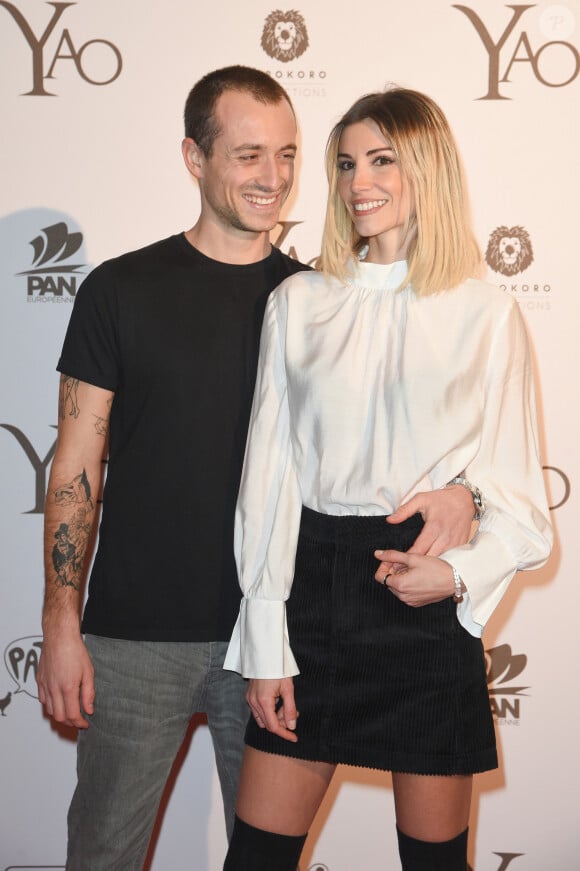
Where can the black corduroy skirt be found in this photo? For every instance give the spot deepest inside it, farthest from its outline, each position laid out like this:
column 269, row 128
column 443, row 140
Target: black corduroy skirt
column 381, row 685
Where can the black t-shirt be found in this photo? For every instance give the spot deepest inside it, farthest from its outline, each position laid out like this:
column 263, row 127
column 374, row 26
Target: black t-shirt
column 175, row 335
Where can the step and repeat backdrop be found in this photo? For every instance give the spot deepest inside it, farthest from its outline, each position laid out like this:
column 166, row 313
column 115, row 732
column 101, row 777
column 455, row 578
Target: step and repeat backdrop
column 91, row 98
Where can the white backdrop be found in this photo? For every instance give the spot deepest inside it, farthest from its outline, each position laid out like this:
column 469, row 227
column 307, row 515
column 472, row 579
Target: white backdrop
column 91, row 98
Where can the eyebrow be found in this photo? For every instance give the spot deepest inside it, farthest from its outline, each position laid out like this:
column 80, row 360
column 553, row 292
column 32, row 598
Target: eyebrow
column 370, row 152
column 249, row 146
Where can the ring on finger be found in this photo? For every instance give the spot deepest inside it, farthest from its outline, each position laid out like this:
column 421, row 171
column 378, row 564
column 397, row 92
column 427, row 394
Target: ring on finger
column 388, row 575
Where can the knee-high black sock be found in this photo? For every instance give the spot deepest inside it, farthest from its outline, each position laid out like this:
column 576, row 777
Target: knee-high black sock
column 439, row 856
column 253, row 849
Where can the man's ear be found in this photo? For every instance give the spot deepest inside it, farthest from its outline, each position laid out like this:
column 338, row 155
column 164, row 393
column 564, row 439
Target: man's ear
column 193, row 157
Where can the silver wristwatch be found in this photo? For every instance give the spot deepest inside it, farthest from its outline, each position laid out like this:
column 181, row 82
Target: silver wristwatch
column 476, row 495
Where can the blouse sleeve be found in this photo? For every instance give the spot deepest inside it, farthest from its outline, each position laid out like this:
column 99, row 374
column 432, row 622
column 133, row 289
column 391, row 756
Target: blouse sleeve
column 515, row 532
column 267, row 517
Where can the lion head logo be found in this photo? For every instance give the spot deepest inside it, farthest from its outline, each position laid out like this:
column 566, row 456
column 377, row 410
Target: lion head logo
column 284, row 36
column 509, row 250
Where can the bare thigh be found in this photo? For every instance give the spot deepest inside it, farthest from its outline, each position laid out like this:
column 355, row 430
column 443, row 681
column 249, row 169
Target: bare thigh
column 432, row 808
column 281, row 794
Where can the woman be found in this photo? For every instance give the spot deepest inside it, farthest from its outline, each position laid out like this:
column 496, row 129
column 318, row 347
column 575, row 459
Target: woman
column 392, row 370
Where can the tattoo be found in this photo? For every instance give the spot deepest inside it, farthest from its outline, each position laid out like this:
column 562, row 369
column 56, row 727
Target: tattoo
column 101, row 425
column 68, row 553
column 67, row 397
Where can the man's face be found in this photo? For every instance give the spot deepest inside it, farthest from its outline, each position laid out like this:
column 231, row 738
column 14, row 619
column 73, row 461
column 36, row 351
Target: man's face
column 247, row 177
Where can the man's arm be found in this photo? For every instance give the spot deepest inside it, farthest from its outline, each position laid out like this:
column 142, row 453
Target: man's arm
column 448, row 514
column 65, row 672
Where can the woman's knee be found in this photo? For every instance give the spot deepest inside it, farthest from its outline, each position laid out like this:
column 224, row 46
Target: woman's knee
column 254, row 849
column 280, row 793
column 418, row 855
column 432, row 808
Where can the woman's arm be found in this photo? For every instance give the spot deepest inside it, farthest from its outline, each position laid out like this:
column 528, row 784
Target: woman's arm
column 267, row 517
column 514, row 533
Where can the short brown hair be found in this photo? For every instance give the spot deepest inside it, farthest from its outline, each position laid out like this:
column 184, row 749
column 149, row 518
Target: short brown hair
column 199, row 113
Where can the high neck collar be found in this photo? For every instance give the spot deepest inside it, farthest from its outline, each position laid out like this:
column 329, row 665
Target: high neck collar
column 377, row 276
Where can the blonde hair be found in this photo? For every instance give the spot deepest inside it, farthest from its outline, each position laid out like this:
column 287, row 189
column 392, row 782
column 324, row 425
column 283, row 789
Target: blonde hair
column 442, row 250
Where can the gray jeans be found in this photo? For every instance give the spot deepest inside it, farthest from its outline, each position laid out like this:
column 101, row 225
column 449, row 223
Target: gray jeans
column 146, row 694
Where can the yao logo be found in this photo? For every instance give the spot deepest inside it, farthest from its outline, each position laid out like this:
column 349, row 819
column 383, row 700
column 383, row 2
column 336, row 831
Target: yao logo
column 505, row 860
column 503, row 666
column 21, row 660
column 284, row 36
column 554, row 64
column 51, row 277
column 558, row 486
column 39, row 465
column 287, row 226
column 97, row 61
column 509, row 250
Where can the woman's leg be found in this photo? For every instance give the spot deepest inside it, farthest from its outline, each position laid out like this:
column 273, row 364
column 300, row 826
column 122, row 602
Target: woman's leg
column 432, row 818
column 432, row 808
column 279, row 793
column 277, row 801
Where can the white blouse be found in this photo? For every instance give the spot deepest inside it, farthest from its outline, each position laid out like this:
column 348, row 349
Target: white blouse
column 366, row 396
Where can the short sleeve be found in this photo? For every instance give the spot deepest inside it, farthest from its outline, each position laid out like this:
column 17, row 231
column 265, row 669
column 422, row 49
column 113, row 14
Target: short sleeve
column 91, row 349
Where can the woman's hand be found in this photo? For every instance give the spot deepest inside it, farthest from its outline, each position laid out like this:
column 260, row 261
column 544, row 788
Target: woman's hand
column 418, row 580
column 272, row 705
column 448, row 516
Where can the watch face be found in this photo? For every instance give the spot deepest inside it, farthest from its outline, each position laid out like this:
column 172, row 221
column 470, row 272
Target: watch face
column 479, row 503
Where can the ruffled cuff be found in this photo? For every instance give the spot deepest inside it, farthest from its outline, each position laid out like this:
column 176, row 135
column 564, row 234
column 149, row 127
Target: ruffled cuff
column 486, row 567
column 259, row 646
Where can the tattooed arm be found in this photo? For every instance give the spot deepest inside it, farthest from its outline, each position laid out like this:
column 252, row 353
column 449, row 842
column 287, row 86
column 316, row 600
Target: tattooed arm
column 65, row 671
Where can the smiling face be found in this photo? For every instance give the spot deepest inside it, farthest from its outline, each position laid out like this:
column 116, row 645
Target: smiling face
column 246, row 178
column 374, row 191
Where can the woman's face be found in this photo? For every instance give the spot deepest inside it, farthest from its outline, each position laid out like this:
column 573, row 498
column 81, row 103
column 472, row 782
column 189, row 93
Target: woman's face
column 373, row 190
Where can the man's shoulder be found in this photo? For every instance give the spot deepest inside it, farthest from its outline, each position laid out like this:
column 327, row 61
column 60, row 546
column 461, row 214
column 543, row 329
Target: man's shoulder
column 138, row 265
column 162, row 251
column 288, row 265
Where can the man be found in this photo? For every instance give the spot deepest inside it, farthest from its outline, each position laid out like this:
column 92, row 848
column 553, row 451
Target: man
column 160, row 359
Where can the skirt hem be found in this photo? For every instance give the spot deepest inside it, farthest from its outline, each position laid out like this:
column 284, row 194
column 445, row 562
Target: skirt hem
column 403, row 763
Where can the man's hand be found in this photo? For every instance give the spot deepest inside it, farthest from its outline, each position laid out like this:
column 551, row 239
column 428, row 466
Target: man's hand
column 419, row 580
column 448, row 515
column 65, row 680
column 263, row 696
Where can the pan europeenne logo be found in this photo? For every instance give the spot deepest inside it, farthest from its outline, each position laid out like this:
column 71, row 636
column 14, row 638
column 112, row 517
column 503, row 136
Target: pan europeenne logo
column 53, row 277
column 509, row 250
column 284, row 36
column 97, row 61
column 21, row 658
column 503, row 667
